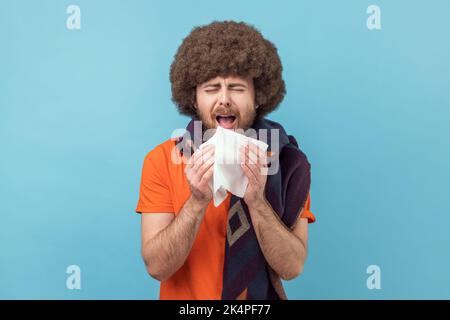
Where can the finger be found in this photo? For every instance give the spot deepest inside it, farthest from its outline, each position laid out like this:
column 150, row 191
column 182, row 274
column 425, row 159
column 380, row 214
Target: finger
column 252, row 155
column 255, row 169
column 242, row 157
column 202, row 156
column 205, row 167
column 246, row 164
column 249, row 174
column 249, row 156
column 244, row 154
column 195, row 162
column 257, row 152
column 207, row 176
column 199, row 151
column 258, row 169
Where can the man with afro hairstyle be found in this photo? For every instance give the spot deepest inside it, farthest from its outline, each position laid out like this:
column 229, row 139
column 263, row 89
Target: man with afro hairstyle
column 225, row 74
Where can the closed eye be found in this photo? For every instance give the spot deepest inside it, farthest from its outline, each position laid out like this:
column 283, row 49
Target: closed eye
column 237, row 87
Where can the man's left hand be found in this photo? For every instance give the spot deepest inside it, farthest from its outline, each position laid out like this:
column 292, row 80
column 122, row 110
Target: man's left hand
column 254, row 165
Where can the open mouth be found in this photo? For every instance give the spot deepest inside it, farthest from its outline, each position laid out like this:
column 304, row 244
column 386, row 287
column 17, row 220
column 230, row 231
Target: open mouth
column 226, row 122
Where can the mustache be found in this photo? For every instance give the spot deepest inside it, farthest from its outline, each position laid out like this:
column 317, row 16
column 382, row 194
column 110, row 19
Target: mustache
column 223, row 111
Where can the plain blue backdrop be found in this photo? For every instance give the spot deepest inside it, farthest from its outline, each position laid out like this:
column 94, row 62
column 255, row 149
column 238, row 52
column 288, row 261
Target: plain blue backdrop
column 79, row 110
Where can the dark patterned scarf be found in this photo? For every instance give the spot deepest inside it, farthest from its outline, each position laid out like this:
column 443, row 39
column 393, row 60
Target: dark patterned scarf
column 246, row 272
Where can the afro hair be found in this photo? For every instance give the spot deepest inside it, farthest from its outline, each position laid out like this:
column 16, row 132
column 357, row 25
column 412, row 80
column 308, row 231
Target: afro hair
column 223, row 49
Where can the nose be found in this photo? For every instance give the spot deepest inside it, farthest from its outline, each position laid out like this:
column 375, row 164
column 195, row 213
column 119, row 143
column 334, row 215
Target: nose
column 225, row 99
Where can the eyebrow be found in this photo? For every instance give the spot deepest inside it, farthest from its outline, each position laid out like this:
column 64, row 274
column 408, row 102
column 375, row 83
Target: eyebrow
column 231, row 85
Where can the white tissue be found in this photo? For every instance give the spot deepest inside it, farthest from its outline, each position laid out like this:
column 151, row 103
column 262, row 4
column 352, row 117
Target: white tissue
column 228, row 174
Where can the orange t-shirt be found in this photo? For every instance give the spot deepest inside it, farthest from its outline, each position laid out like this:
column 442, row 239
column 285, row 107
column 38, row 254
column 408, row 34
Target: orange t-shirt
column 164, row 188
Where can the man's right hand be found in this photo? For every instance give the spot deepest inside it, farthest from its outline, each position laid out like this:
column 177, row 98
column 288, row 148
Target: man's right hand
column 199, row 171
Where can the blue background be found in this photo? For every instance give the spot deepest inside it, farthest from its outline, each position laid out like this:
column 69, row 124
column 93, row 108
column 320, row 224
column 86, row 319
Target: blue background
column 79, row 110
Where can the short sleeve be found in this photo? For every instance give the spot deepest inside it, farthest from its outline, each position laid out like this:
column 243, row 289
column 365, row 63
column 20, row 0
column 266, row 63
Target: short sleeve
column 306, row 213
column 154, row 193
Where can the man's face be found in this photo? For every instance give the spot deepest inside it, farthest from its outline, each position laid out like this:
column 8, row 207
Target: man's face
column 226, row 101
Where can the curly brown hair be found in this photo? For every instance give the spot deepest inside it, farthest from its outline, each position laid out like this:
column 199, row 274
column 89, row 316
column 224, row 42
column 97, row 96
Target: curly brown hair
column 222, row 49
